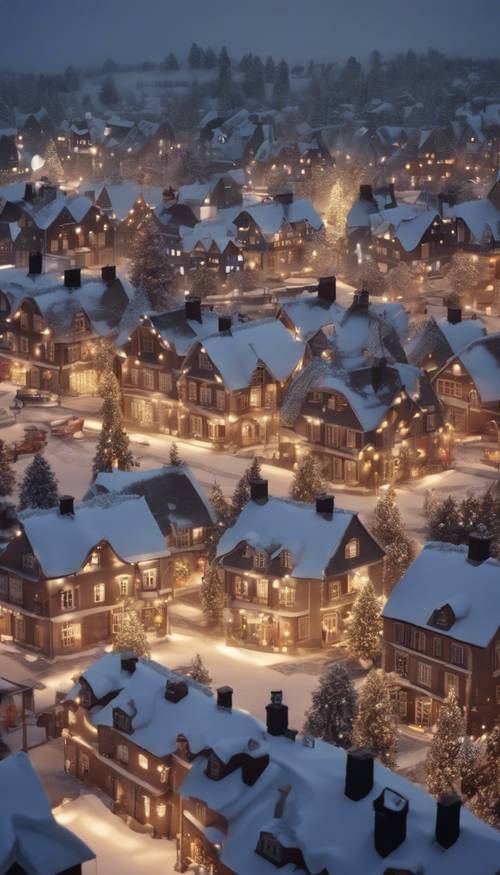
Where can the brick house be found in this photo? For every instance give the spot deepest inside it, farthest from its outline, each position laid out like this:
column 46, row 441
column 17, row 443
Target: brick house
column 291, row 571
column 442, row 632
column 65, row 576
column 441, row 339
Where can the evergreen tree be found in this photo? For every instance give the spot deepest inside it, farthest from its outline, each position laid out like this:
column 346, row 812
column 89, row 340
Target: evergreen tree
column 486, row 803
column 308, row 480
column 254, row 471
column 241, row 496
column 402, row 282
column 195, row 57
column 203, row 281
column 463, row 275
column 131, row 635
column 53, row 167
column 369, row 277
column 7, row 476
column 469, row 762
column 219, row 504
column 405, row 459
column 212, row 594
column 109, row 386
column 151, row 269
column 444, row 524
column 364, row 632
column 390, row 531
column 39, row 486
column 224, row 86
column 375, row 725
column 443, row 758
column 108, row 94
column 270, row 70
column 113, row 443
column 281, row 85
column 174, row 457
column 198, row 672
column 210, row 59
column 333, row 710
column 170, row 62
column 429, row 504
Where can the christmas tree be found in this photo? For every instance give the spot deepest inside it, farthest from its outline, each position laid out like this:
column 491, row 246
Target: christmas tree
column 53, row 167
column 445, row 523
column 375, row 725
column 131, row 635
column 113, row 443
column 486, row 803
column 212, row 594
column 7, row 476
column 405, row 462
column 254, row 471
column 443, row 758
column 181, row 572
column 429, row 504
column 202, row 281
column 469, row 762
column 219, row 504
column 364, row 629
column 333, row 710
column 174, row 457
column 390, row 531
column 151, row 269
column 241, row 496
column 308, row 480
column 109, row 386
column 39, row 486
column 198, row 672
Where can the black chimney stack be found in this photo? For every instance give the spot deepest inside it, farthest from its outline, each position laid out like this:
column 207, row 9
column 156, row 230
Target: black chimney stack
column 225, row 698
column 224, row 325
column 454, row 315
column 128, row 662
column 286, row 197
column 72, row 278
column 325, row 505
column 327, row 289
column 108, row 274
column 448, row 819
column 276, row 714
column 259, row 491
column 479, row 545
column 361, row 300
column 175, row 691
column 365, row 193
column 29, row 192
column 391, row 810
column 359, row 773
column 377, row 373
column 35, row 264
column 193, row 309
column 66, row 505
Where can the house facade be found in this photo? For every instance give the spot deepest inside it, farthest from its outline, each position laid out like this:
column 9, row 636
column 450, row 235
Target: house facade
column 291, row 583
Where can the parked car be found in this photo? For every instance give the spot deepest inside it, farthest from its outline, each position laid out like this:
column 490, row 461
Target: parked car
column 68, row 426
column 37, row 396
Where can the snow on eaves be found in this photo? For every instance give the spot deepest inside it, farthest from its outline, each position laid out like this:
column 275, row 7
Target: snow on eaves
column 481, row 358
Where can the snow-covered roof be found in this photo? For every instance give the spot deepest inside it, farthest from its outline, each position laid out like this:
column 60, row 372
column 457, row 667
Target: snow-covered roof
column 481, row 358
column 236, row 354
column 308, row 313
column 208, row 232
column 481, row 217
column 29, row 835
column 175, row 329
column 172, row 493
column 281, row 524
column 442, row 575
column 124, row 195
column 409, row 222
column 62, row 543
column 457, row 336
column 269, row 216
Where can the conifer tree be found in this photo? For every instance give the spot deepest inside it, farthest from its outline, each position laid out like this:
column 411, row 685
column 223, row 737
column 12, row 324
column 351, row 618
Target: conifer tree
column 281, row 85
column 108, row 94
column 254, row 471
column 364, row 629
column 7, row 476
column 113, row 443
column 308, row 480
column 375, row 725
column 225, row 80
column 429, row 504
column 444, row 524
column 174, row 457
column 203, row 281
column 241, row 496
column 405, row 460
column 53, row 167
column 212, row 594
column 469, row 762
column 333, row 709
column 151, row 269
column 486, row 803
column 270, row 70
column 131, row 635
column 390, row 531
column 443, row 758
column 39, row 486
column 219, row 504
column 198, row 672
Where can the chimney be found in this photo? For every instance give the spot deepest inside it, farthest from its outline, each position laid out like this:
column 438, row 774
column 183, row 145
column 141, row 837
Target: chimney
column 479, row 545
column 359, row 773
column 259, row 491
column 377, row 373
column 108, row 274
column 72, row 278
column 225, row 698
column 193, row 309
column 285, row 198
column 361, row 300
column 29, row 192
column 448, row 819
column 327, row 289
column 391, row 810
column 365, row 193
column 325, row 505
column 224, row 325
column 392, row 193
column 128, row 663
column 175, row 691
column 276, row 714
column 454, row 315
column 279, row 808
column 66, row 505
column 35, row 264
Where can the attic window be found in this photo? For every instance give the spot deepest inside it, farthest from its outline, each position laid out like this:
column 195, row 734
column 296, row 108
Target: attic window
column 79, row 322
column 316, row 398
column 214, row 770
column 260, row 559
column 122, row 721
column 352, row 548
column 270, row 848
column 285, row 559
column 95, row 559
column 204, row 362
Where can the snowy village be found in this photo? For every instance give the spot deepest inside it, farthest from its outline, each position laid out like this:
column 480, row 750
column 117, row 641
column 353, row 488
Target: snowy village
column 250, row 438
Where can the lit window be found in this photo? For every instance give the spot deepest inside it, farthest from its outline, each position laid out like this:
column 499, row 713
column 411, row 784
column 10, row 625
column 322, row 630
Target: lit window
column 183, row 537
column 192, row 393
column 147, row 806
column 260, row 560
column 457, row 654
column 285, row 559
column 418, row 640
column 149, row 577
column 143, row 761
column 70, row 634
column 67, row 599
column 450, row 683
column 205, row 395
column 122, row 753
column 99, row 593
column 204, row 362
column 424, row 674
column 352, row 548
column 28, row 561
column 124, row 584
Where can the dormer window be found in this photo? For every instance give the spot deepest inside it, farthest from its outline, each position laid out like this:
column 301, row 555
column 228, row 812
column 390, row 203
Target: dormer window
column 182, row 748
column 204, row 362
column 285, row 559
column 270, row 848
column 260, row 559
column 214, row 769
column 352, row 549
column 122, row 721
column 442, row 618
column 79, row 322
column 94, row 559
column 147, row 344
column 316, row 398
column 28, row 561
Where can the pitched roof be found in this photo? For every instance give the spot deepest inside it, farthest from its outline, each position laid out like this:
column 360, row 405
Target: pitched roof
column 62, row 543
column 481, row 358
column 456, row 337
column 441, row 574
column 175, row 329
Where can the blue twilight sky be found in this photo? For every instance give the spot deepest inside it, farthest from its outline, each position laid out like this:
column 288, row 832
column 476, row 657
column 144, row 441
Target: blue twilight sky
column 50, row 34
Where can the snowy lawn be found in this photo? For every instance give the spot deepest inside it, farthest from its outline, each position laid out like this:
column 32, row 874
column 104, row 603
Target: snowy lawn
column 119, row 851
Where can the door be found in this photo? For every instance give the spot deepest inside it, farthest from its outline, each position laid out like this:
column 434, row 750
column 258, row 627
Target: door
column 350, row 472
column 38, row 636
column 330, row 627
column 423, row 708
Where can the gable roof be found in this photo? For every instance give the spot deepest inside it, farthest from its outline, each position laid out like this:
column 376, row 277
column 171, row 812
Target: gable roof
column 176, row 330
column 481, row 358
column 455, row 336
column 441, row 574
column 62, row 544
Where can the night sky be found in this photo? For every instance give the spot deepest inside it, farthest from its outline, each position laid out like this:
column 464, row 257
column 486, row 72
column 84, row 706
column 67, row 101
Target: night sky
column 50, row 34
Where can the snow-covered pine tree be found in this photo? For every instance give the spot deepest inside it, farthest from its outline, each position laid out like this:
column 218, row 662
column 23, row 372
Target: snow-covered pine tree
column 241, row 496
column 254, row 471
column 7, row 476
column 53, row 167
column 39, row 486
column 224, row 85
column 308, row 480
column 333, row 709
column 174, row 457
column 375, row 724
column 469, row 761
column 444, row 524
column 443, row 758
column 405, row 460
column 428, row 504
column 486, row 803
column 463, row 275
column 198, row 672
column 202, row 281
column 281, row 85
column 212, row 594
column 364, row 630
column 131, row 635
column 113, row 443
column 390, row 531
column 151, row 269
column 109, row 386
column 369, row 277
column 219, row 504
column 402, row 281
